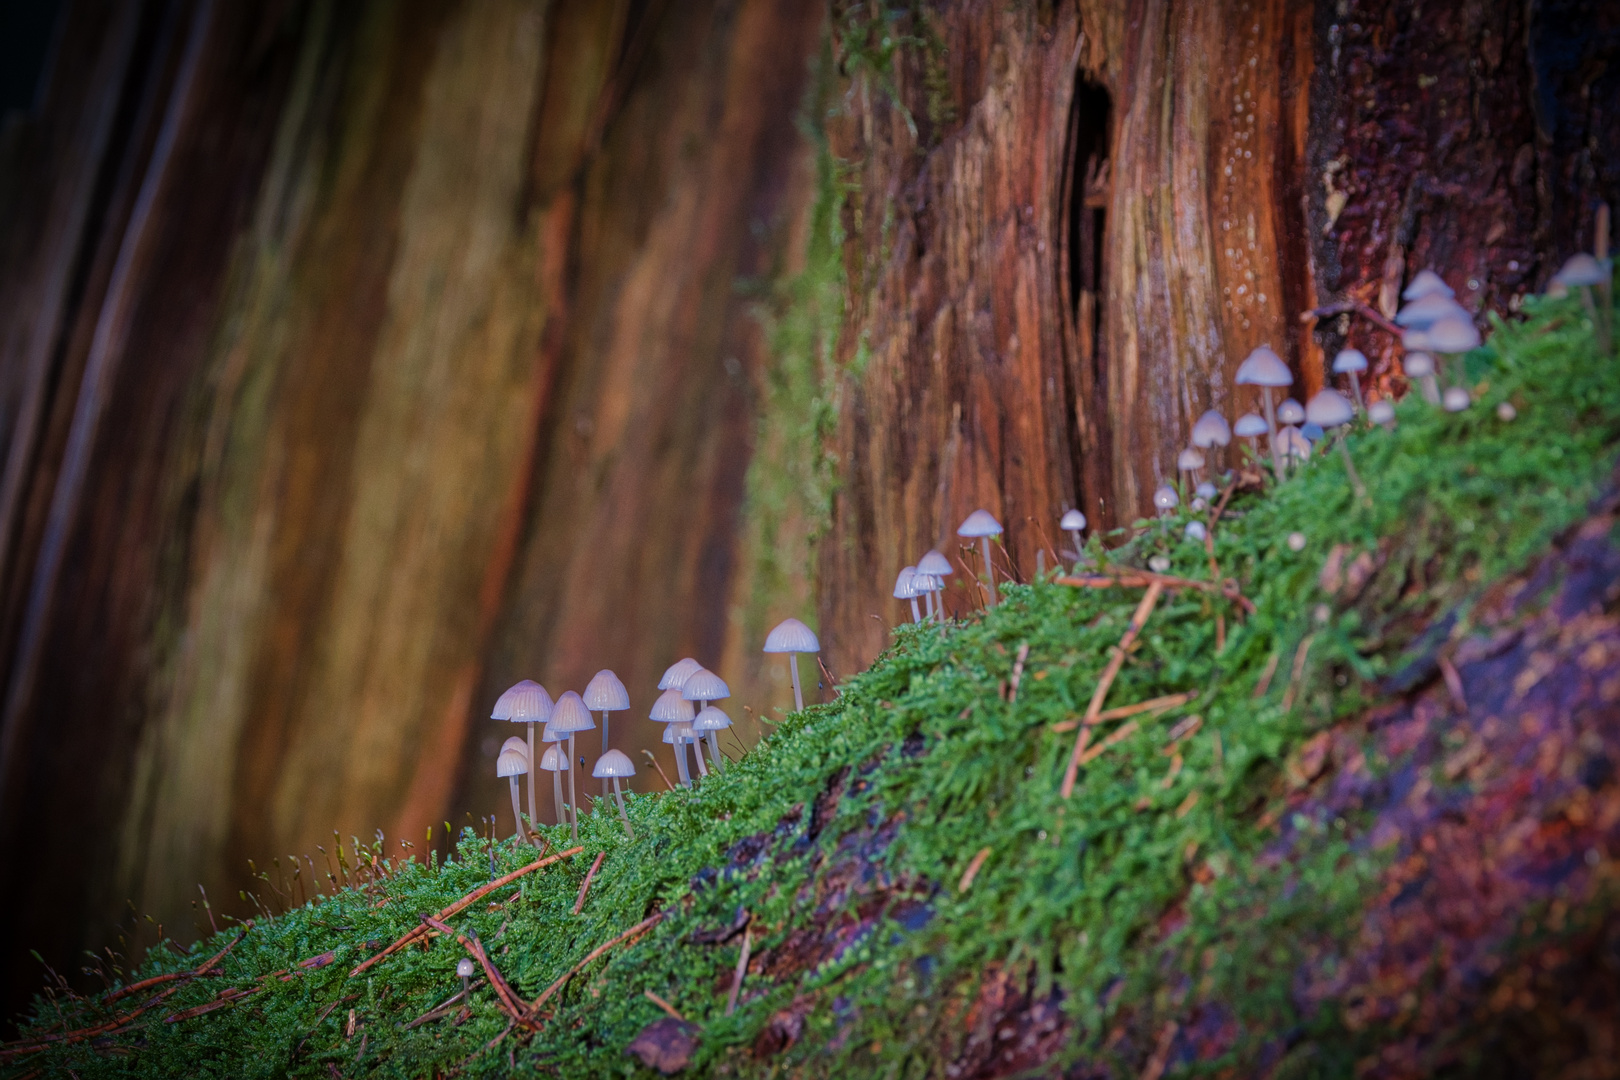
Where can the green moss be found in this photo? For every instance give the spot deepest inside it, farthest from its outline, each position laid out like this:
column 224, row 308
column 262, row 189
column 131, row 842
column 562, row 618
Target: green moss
column 936, row 764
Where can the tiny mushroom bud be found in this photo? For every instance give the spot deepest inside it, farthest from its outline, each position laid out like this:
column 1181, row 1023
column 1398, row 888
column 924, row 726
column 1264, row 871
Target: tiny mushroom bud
column 555, row 762
column 938, row 568
column 1073, row 523
column 1454, row 336
column 981, row 526
column 671, row 709
column 1296, row 541
column 1291, row 412
column 465, row 968
column 1425, row 283
column 1506, row 413
column 1292, row 445
column 1420, row 366
column 1165, row 499
column 705, row 686
column 1251, row 426
column 525, row 702
column 605, row 694
column 1332, row 409
column 1195, row 531
column 793, row 637
column 1382, row 412
column 615, row 766
column 905, row 589
column 569, row 718
column 1190, row 460
column 708, row 721
column 1456, row 399
column 1211, row 430
column 1206, row 490
column 1159, row 563
column 512, row 763
column 1265, row 369
column 1352, row 362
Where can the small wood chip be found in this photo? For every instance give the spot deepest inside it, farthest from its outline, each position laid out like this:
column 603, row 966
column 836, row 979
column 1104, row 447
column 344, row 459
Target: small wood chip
column 972, row 870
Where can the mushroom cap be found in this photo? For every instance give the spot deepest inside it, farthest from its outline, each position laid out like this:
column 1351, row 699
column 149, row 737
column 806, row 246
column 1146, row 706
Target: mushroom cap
column 1166, row 498
column 1206, row 490
column 465, row 967
column 1312, row 432
column 1418, row 365
column 792, row 636
column 1426, row 283
column 554, row 760
column 671, row 708
column 1456, row 399
column 904, row 585
column 1190, row 458
column 524, row 702
column 513, row 759
column 1424, row 313
column 1582, row 269
column 705, row 685
column 1291, row 443
column 979, row 523
column 1416, row 338
column 1349, row 360
column 1195, row 531
column 1211, row 430
column 550, row 734
column 1381, row 411
column 710, row 718
column 1290, row 412
column 1453, row 335
column 1506, row 413
column 1159, row 563
column 935, row 564
column 1264, row 368
column 570, row 715
column 675, row 675
column 1296, row 541
column 605, row 693
column 1250, row 425
column 613, row 763
column 671, row 734
column 683, row 732
column 1330, row 409
column 1073, row 521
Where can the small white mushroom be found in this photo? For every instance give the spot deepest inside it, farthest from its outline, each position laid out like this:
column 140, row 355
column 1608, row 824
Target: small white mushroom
column 1425, row 283
column 688, row 737
column 1190, row 461
column 1251, row 426
column 1382, row 412
column 1420, row 366
column 671, row 708
column 905, row 588
column 705, row 686
column 525, row 702
column 1293, row 446
column 555, row 762
column 1352, row 362
column 937, row 567
column 615, row 766
column 1195, row 531
column 980, row 526
column 1296, row 541
column 1332, row 409
column 676, row 674
column 1265, row 369
column 1159, row 563
column 1206, row 491
column 793, row 637
column 1506, row 413
column 465, row 968
column 512, row 763
column 1291, row 413
column 1456, row 399
column 1454, row 336
column 1211, row 430
column 569, row 718
column 706, row 724
column 1583, row 272
column 1074, row 523
column 605, row 694
column 1425, row 311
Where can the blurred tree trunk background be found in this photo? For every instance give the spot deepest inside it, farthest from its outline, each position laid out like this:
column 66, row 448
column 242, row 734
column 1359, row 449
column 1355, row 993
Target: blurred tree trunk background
column 358, row 359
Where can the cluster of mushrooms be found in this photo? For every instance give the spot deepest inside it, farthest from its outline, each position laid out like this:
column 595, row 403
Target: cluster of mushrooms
column 927, row 578
column 685, row 707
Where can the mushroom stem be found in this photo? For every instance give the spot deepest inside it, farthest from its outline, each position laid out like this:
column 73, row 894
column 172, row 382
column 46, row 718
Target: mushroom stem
column 1074, row 534
column 624, row 817
column 556, row 794
column 680, row 763
column 1271, row 419
column 534, row 765
column 793, row 672
column 714, row 751
column 1350, row 469
column 697, row 752
column 1431, row 388
column 605, row 715
column 1355, row 388
column 573, row 789
column 916, row 617
column 517, row 809
column 989, row 569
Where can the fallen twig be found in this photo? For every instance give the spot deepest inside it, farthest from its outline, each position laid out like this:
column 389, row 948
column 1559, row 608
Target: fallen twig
column 972, row 870
column 1264, row 684
column 1138, row 620
column 1125, row 731
column 471, row 898
column 1136, row 579
column 1297, row 673
column 742, row 969
column 1151, row 705
column 662, row 1004
column 441, row 1010
column 509, row 1000
column 585, row 886
column 1344, row 307
column 640, row 928
column 197, row 972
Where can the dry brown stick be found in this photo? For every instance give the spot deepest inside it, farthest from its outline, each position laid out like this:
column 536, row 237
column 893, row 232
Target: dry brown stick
column 197, row 972
column 1138, row 620
column 1136, row 579
column 742, row 969
column 509, row 1000
column 471, row 898
column 662, row 1004
column 585, row 886
column 661, row 773
column 1297, row 672
column 1344, row 307
column 1125, row 731
column 641, row 927
column 1158, row 704
column 106, row 1027
column 1264, row 684
column 972, row 871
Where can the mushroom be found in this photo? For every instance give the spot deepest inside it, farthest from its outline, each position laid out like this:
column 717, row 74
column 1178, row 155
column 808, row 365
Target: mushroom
column 905, row 589
column 1190, row 460
column 1583, row 272
column 981, row 526
column 1159, row 563
column 1506, row 413
column 1206, row 491
column 1352, row 362
column 1073, row 523
column 554, row 761
column 1313, row 432
column 676, row 674
column 1382, row 412
column 1250, row 426
column 686, row 735
column 615, row 766
column 1420, row 365
column 1296, row 541
column 1425, row 283
column 1266, row 370
column 1291, row 444
column 708, row 721
column 605, row 694
column 465, row 967
column 1332, row 409
column 938, row 567
column 525, row 702
column 512, row 763
column 1424, row 312
column 705, row 686
column 1211, row 430
column 1456, row 399
column 793, row 637
column 570, row 717
column 1454, row 336
column 1290, row 412
column 671, row 709
column 1195, row 531
column 1165, row 499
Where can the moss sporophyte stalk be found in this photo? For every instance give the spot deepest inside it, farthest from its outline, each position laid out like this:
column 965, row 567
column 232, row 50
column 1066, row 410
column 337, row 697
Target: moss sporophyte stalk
column 899, row 857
